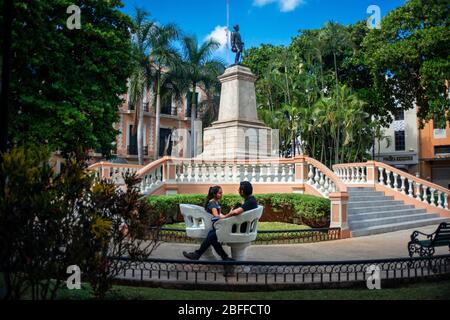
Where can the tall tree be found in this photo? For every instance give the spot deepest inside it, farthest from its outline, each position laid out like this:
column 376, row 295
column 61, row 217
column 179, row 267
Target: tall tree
column 141, row 77
column 409, row 58
column 66, row 85
column 200, row 69
column 163, row 56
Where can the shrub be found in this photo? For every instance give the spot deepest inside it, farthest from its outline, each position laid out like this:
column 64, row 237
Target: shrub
column 50, row 221
column 283, row 207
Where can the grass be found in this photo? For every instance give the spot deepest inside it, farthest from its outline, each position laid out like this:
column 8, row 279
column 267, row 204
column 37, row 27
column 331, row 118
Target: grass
column 262, row 226
column 421, row 291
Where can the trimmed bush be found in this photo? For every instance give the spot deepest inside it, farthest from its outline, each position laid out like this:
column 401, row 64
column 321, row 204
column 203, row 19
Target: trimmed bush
column 282, row 207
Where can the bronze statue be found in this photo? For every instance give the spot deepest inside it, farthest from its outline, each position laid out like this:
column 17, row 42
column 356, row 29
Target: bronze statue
column 237, row 45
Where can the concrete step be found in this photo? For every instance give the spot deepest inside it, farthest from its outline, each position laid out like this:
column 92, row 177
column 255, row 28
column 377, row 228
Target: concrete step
column 359, row 189
column 368, row 197
column 397, row 226
column 378, row 203
column 379, row 208
column 362, row 216
column 361, row 224
column 365, row 194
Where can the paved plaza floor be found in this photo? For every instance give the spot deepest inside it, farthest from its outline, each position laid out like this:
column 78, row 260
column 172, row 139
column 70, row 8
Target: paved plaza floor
column 387, row 245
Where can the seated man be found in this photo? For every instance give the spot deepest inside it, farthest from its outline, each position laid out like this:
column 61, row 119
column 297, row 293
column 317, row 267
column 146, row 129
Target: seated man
column 245, row 190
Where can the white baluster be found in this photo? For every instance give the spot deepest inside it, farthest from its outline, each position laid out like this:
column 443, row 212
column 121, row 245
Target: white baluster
column 283, row 173
column 310, row 175
column 410, row 188
column 258, row 173
column 326, row 186
column 230, row 172
column 291, row 173
column 321, row 182
column 276, row 168
column 208, row 168
column 381, row 176
column 358, row 175
column 395, row 181
column 403, row 187
column 388, row 178
column 439, row 203
column 200, row 172
column 363, row 175
column 445, row 201
column 245, row 172
column 269, row 172
column 253, row 176
column 418, row 191
column 316, row 179
column 222, row 172
column 432, row 199
column 424, row 195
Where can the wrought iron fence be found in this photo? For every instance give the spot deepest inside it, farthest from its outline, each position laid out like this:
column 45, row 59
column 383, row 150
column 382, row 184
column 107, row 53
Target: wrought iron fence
column 263, row 237
column 278, row 273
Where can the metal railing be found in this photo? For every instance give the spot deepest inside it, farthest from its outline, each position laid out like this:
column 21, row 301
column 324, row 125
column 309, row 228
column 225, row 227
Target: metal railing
column 280, row 273
column 263, row 237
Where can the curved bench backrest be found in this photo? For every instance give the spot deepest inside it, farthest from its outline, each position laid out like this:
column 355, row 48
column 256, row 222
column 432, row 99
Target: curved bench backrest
column 239, row 229
column 197, row 220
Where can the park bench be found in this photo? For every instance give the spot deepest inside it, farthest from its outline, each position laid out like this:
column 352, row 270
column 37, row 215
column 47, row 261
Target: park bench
column 425, row 246
column 237, row 232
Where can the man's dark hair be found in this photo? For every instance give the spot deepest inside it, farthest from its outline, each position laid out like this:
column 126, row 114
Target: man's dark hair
column 246, row 188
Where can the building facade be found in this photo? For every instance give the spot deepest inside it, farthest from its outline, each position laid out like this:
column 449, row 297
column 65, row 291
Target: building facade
column 174, row 132
column 424, row 152
column 434, row 154
column 400, row 148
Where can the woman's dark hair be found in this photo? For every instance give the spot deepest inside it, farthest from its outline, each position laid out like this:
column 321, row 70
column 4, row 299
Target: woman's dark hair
column 246, row 188
column 211, row 194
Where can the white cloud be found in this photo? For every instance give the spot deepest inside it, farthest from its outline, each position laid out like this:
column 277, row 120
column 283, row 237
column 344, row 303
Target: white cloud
column 220, row 35
column 285, row 5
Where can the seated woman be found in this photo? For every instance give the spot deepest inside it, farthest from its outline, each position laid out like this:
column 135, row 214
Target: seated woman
column 212, row 206
column 212, row 202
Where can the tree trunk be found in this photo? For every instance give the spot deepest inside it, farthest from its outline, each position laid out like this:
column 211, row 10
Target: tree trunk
column 6, row 74
column 157, row 117
column 140, row 133
column 193, row 113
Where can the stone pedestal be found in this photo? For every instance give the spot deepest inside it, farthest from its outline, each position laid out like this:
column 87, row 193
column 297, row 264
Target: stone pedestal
column 238, row 134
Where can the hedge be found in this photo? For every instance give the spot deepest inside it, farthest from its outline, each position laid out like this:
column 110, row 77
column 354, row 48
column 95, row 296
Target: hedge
column 283, row 207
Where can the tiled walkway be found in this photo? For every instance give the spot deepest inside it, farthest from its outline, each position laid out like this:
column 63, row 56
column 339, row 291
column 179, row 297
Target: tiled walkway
column 388, row 245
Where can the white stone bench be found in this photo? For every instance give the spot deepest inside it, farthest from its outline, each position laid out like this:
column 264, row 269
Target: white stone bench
column 237, row 232
column 198, row 223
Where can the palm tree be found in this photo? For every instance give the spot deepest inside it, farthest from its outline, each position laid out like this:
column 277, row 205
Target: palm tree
column 200, row 69
column 140, row 79
column 335, row 38
column 164, row 56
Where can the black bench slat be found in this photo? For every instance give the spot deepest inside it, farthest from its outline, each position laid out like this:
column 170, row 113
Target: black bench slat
column 441, row 237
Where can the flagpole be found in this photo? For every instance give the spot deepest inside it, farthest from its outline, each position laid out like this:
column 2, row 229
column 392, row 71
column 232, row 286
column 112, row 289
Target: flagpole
column 228, row 31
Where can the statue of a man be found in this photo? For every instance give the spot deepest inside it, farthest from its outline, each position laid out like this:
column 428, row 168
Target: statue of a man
column 236, row 43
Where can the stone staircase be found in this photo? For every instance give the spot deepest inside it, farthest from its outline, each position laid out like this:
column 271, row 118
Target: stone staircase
column 371, row 212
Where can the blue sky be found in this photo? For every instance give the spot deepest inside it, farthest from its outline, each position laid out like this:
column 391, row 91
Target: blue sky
column 261, row 21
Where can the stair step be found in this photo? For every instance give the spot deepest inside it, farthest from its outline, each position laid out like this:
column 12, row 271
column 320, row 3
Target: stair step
column 378, row 203
column 383, row 214
column 379, row 208
column 365, row 194
column 354, row 225
column 360, row 189
column 397, row 226
column 369, row 197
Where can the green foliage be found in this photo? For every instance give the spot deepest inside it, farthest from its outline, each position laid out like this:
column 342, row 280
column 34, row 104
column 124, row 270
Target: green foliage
column 50, row 221
column 300, row 87
column 283, row 207
column 66, row 84
column 413, row 48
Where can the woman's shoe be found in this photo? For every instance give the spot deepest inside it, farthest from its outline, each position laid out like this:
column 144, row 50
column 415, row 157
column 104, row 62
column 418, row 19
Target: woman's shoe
column 191, row 255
